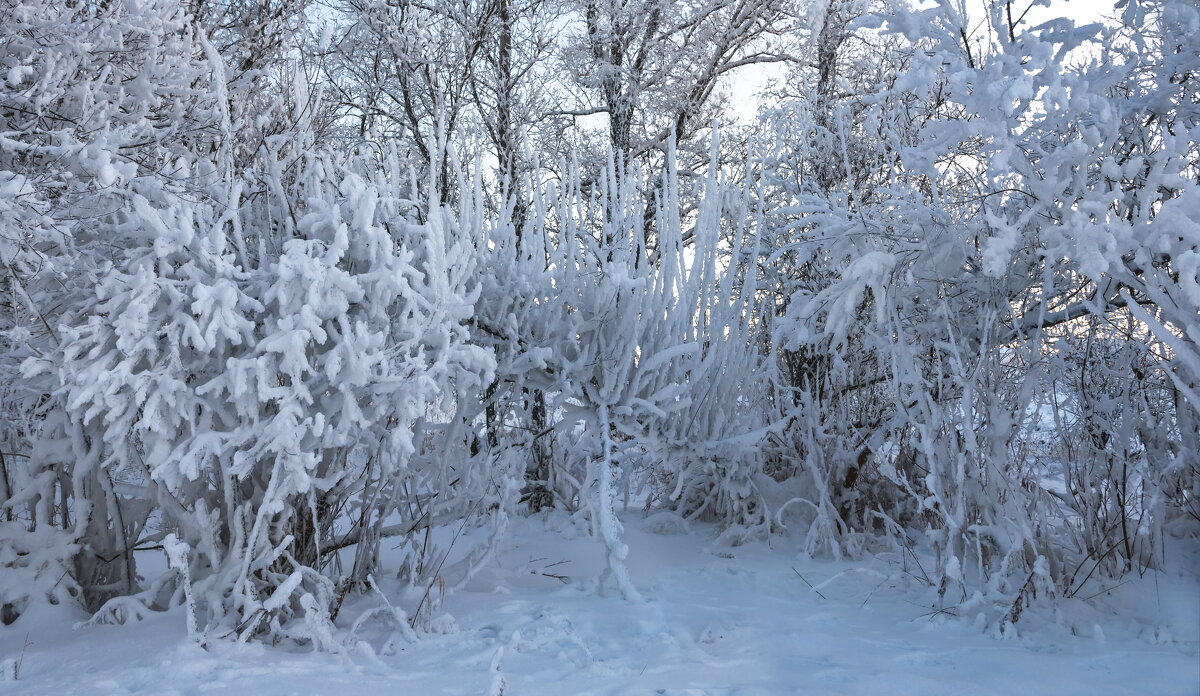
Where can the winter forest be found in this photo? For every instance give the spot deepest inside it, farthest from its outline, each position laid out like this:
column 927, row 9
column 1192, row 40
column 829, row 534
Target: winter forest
column 600, row 346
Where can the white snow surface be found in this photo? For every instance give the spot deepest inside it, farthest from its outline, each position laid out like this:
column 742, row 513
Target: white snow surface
column 716, row 620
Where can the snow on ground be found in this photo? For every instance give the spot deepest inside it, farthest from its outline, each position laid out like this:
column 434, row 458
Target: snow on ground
column 717, row 620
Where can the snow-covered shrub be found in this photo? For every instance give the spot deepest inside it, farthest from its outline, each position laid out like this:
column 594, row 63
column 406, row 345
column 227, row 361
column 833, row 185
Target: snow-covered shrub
column 94, row 98
column 642, row 362
column 1116, row 467
column 522, row 316
column 707, row 452
column 268, row 401
column 999, row 223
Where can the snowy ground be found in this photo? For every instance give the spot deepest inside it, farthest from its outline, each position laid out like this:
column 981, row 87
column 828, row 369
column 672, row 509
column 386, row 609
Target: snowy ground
column 717, row 620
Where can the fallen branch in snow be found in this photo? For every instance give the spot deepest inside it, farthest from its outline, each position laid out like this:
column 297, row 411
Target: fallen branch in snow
column 806, row 582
